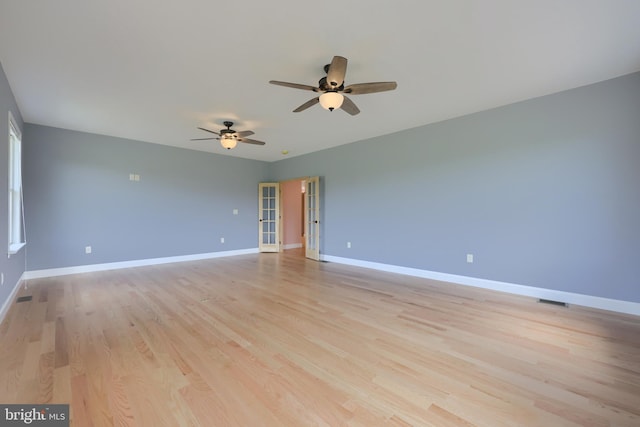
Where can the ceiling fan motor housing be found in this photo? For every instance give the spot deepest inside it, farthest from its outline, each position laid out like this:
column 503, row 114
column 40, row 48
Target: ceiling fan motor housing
column 324, row 86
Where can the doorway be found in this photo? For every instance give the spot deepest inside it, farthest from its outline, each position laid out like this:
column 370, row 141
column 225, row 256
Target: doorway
column 293, row 235
column 290, row 216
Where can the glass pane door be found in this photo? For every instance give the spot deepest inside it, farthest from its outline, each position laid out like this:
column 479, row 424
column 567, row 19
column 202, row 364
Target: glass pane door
column 312, row 218
column 269, row 212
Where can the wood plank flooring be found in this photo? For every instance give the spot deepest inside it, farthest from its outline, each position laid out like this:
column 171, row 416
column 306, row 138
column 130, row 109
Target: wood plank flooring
column 277, row 340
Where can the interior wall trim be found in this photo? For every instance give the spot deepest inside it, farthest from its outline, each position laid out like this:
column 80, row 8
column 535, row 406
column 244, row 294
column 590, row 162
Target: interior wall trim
column 37, row 274
column 620, row 306
column 10, row 299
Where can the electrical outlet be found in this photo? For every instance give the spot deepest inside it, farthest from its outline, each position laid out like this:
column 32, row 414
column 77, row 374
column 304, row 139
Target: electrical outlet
column 348, row 245
column 87, row 249
column 235, row 211
column 470, row 258
column 222, row 240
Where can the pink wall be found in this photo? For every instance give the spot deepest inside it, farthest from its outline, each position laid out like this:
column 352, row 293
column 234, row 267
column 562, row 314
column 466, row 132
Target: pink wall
column 291, row 192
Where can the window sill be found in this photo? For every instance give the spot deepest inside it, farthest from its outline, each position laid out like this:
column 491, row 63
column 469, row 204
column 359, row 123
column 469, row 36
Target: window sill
column 15, row 248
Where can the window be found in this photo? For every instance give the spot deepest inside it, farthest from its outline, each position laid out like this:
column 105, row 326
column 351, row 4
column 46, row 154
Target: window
column 16, row 229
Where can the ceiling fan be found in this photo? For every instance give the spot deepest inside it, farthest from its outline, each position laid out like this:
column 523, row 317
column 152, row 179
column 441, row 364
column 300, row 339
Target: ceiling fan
column 332, row 88
column 229, row 138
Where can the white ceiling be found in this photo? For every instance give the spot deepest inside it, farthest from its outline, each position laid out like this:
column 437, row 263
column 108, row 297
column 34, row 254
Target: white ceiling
column 154, row 70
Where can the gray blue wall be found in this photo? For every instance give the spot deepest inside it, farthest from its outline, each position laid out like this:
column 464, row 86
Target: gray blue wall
column 13, row 266
column 78, row 193
column 544, row 193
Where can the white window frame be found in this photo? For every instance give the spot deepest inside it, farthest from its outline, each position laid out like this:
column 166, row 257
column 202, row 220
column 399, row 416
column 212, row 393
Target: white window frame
column 16, row 215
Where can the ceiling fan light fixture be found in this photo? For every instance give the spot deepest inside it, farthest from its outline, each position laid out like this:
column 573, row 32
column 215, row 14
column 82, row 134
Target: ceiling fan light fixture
column 229, row 138
column 331, row 100
column 228, row 142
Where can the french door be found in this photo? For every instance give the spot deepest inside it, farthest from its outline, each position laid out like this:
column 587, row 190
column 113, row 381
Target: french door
column 269, row 212
column 270, row 218
column 312, row 218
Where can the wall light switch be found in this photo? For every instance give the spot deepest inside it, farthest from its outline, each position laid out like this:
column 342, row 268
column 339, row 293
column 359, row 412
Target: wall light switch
column 235, row 211
column 470, row 258
column 348, row 245
column 87, row 249
column 222, row 240
column 131, row 177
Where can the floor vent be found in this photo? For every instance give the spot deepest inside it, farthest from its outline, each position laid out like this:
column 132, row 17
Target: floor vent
column 552, row 302
column 23, row 299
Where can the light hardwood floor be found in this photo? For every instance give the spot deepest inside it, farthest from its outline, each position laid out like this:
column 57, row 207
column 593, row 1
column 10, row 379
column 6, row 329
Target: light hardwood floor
column 277, row 340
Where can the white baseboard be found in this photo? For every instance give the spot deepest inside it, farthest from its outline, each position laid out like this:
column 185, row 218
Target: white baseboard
column 37, row 274
column 619, row 306
column 5, row 307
